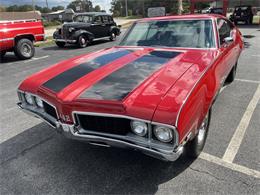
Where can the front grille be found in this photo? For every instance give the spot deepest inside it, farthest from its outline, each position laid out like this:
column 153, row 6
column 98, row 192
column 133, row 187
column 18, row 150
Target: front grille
column 119, row 126
column 65, row 32
column 49, row 109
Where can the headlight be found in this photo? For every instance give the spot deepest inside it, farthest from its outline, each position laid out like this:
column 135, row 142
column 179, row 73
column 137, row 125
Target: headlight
column 39, row 102
column 71, row 29
column 139, row 128
column 163, row 134
column 29, row 98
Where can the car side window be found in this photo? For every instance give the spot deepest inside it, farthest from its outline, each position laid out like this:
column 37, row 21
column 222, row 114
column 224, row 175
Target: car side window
column 105, row 19
column 98, row 20
column 110, row 19
column 224, row 30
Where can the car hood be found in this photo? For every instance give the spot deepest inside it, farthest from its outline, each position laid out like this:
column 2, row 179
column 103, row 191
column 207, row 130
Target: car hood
column 121, row 80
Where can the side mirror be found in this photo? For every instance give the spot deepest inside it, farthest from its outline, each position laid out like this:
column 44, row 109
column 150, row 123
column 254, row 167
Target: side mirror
column 228, row 39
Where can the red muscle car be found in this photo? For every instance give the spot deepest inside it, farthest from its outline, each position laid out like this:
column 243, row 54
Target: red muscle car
column 153, row 92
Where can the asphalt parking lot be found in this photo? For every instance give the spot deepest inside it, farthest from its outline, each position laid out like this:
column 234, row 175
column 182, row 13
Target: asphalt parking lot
column 37, row 160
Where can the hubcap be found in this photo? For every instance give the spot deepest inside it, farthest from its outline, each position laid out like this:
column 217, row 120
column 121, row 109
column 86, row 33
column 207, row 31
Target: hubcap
column 26, row 50
column 113, row 36
column 203, row 130
column 83, row 41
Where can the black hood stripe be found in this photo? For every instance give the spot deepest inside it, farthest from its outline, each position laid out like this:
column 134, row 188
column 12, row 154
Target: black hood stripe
column 64, row 79
column 120, row 83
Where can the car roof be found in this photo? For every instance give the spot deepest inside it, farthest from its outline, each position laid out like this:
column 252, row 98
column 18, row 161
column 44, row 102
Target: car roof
column 93, row 13
column 186, row 16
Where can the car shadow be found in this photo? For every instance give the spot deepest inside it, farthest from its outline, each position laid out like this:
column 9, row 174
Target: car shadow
column 248, row 26
column 9, row 57
column 74, row 46
column 50, row 163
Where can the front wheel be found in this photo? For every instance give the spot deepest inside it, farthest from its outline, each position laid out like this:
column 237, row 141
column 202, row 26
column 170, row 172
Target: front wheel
column 82, row 41
column 60, row 44
column 196, row 145
column 112, row 36
column 24, row 49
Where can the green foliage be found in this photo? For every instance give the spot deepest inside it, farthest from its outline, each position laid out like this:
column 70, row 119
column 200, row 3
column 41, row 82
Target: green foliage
column 52, row 23
column 97, row 8
column 56, row 8
column 19, row 8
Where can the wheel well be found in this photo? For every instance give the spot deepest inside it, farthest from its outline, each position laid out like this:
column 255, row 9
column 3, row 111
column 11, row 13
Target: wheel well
column 30, row 37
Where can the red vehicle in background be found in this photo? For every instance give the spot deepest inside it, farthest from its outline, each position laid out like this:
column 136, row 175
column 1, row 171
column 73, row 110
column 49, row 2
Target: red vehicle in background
column 19, row 36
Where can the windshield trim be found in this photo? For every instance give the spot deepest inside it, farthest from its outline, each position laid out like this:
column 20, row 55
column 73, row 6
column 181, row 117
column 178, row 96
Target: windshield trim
column 204, row 48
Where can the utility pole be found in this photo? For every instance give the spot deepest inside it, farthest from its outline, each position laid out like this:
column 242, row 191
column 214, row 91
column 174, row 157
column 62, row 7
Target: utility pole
column 126, row 9
column 47, row 4
column 33, row 5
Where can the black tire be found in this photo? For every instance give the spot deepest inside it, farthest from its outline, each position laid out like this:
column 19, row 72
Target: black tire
column 2, row 54
column 60, row 44
column 194, row 147
column 232, row 75
column 112, row 36
column 235, row 22
column 83, row 41
column 24, row 49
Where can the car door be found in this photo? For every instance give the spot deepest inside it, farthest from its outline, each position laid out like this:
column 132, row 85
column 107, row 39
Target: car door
column 227, row 49
column 98, row 28
column 107, row 26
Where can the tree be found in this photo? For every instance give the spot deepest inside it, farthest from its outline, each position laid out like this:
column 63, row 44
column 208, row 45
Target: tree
column 56, row 8
column 97, row 8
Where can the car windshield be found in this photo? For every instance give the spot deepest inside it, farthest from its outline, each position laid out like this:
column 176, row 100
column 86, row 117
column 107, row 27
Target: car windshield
column 83, row 18
column 174, row 33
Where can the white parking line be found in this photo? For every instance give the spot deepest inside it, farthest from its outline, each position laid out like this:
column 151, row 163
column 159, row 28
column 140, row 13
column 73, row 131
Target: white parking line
column 34, row 59
column 237, row 138
column 248, row 81
column 229, row 165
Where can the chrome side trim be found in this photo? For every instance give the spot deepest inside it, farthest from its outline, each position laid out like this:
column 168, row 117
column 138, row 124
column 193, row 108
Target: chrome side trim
column 101, row 38
column 65, row 40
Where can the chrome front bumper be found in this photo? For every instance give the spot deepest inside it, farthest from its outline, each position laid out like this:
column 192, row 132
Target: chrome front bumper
column 72, row 132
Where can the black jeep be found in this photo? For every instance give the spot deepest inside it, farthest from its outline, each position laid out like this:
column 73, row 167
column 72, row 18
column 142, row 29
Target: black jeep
column 242, row 13
column 85, row 28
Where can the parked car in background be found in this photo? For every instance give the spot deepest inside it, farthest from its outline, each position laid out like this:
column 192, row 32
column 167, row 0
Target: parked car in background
column 214, row 10
column 18, row 36
column 243, row 13
column 85, row 28
column 153, row 92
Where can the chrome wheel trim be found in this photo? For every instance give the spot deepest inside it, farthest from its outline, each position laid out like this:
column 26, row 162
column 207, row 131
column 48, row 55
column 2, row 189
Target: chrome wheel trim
column 26, row 50
column 113, row 36
column 83, row 41
column 203, row 130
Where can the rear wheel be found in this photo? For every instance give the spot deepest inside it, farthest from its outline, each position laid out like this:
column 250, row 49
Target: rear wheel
column 83, row 41
column 60, row 44
column 24, row 49
column 196, row 145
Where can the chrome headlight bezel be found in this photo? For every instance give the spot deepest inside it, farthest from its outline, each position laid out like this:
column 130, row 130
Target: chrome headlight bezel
column 38, row 102
column 163, row 133
column 140, row 128
column 28, row 98
column 71, row 29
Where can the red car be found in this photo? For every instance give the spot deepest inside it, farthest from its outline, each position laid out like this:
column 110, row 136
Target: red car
column 19, row 36
column 153, row 92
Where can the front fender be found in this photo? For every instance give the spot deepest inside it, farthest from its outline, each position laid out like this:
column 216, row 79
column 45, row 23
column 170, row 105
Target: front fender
column 115, row 29
column 77, row 33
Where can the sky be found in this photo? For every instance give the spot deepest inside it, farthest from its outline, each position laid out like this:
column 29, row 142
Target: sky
column 105, row 4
